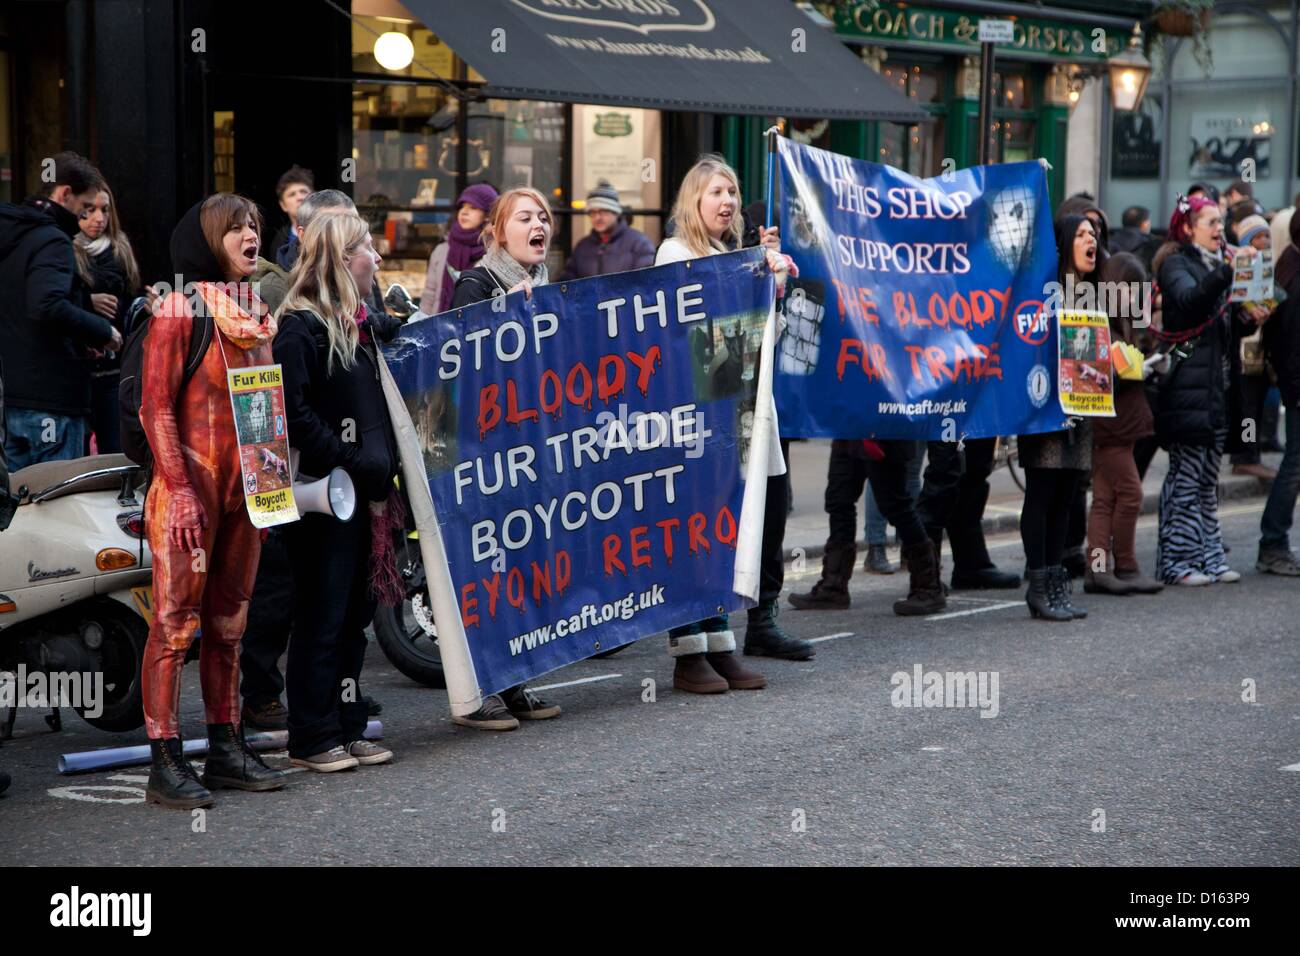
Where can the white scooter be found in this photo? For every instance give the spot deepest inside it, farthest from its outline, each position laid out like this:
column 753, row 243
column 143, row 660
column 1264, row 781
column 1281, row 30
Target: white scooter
column 75, row 594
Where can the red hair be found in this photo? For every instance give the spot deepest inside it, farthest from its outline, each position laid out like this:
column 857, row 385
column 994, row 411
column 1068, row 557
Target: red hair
column 1186, row 211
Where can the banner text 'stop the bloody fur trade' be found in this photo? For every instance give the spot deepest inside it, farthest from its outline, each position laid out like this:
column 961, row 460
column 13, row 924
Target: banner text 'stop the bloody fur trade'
column 586, row 452
column 919, row 311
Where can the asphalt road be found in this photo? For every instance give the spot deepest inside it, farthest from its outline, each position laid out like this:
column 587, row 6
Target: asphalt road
column 1137, row 712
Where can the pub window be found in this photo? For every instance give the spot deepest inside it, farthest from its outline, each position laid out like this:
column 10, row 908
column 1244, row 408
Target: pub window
column 919, row 148
column 1014, row 125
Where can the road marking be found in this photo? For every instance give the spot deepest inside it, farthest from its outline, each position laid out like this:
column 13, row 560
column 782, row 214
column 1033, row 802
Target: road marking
column 129, row 777
column 580, row 680
column 932, row 749
column 1294, row 768
column 830, row 637
column 87, row 794
column 1000, row 606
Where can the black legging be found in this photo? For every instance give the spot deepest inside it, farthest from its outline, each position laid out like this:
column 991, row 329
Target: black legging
column 1045, row 517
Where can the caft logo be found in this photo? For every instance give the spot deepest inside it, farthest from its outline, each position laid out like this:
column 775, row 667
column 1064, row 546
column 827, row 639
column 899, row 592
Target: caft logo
column 642, row 16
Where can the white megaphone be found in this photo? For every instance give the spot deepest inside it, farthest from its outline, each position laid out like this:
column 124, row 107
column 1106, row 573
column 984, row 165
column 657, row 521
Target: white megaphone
column 332, row 495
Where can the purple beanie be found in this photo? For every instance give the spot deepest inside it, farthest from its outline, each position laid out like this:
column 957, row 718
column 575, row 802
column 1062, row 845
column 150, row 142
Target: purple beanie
column 480, row 196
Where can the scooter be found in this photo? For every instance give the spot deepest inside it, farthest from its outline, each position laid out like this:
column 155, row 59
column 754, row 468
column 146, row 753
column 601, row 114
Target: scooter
column 75, row 586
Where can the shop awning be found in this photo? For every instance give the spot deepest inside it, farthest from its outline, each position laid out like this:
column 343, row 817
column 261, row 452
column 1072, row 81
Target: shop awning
column 713, row 56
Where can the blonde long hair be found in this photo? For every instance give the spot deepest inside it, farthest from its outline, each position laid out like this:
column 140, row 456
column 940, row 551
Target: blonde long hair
column 117, row 241
column 321, row 283
column 686, row 210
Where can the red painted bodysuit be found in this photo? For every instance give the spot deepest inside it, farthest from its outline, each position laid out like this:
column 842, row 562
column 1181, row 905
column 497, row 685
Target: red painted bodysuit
column 197, row 478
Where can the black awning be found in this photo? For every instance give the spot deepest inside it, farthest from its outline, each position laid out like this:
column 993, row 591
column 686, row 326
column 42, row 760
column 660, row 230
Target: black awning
column 712, row 56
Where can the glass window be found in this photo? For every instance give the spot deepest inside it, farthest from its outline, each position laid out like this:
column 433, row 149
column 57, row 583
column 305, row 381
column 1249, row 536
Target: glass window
column 1214, row 131
column 917, row 149
column 432, row 57
column 1243, row 46
column 620, row 145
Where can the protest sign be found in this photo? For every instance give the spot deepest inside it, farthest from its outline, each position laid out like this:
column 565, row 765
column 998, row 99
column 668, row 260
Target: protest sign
column 920, row 310
column 257, row 396
column 587, row 466
column 1252, row 279
column 1084, row 380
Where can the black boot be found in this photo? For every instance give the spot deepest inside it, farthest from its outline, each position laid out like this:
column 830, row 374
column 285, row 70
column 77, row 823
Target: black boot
column 972, row 568
column 234, row 764
column 1039, row 598
column 831, row 592
column 1059, row 587
column 764, row 637
column 172, row 781
column 1075, row 563
column 924, row 589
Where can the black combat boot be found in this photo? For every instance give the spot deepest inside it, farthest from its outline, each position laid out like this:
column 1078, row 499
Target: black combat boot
column 764, row 637
column 172, row 781
column 234, row 764
column 1059, row 587
column 924, row 589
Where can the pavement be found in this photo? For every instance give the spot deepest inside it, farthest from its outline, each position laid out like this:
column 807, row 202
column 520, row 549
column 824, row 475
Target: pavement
column 807, row 527
column 1161, row 730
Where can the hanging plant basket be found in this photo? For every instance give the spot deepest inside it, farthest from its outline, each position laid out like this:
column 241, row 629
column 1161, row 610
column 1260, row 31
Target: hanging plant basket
column 1174, row 22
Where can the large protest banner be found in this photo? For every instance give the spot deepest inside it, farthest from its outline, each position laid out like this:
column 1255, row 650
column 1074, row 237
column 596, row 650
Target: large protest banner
column 584, row 465
column 919, row 307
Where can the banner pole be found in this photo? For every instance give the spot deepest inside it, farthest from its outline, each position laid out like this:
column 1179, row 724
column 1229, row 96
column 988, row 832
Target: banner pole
column 770, row 191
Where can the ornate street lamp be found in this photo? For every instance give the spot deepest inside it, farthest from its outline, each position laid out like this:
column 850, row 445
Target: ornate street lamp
column 1129, row 73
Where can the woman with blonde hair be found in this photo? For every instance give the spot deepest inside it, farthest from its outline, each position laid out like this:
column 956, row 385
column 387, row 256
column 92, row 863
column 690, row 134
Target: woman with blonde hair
column 707, row 220
column 338, row 418
column 106, row 264
column 516, row 238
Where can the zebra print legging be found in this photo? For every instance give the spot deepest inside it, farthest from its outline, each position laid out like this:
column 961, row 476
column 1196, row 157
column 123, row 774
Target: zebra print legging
column 1190, row 539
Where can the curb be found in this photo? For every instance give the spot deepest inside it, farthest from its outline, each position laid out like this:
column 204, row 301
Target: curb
column 1231, row 488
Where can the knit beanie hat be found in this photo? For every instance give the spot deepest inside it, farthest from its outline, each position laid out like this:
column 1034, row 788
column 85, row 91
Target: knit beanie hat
column 1250, row 227
column 604, row 196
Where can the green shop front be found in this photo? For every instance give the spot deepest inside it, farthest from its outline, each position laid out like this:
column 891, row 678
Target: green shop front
column 930, row 54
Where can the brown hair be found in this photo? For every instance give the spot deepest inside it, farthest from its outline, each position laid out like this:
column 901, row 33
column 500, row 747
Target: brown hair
column 222, row 212
column 502, row 209
column 119, row 243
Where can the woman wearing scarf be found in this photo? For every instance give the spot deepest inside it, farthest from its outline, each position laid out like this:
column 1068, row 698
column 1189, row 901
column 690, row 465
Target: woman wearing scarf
column 106, row 264
column 463, row 248
column 1191, row 419
column 338, row 418
column 516, row 237
column 205, row 548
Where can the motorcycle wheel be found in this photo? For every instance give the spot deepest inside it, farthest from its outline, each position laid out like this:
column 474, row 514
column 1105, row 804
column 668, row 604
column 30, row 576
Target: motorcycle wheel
column 121, row 657
column 406, row 633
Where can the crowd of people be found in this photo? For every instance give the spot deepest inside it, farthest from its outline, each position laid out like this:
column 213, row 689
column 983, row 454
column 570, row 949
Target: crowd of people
column 1201, row 377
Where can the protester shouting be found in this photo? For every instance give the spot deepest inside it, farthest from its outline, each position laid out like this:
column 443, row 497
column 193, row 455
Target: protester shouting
column 338, row 418
column 707, row 221
column 1191, row 418
column 204, row 546
column 107, row 266
column 516, row 239
column 1055, row 462
column 463, row 248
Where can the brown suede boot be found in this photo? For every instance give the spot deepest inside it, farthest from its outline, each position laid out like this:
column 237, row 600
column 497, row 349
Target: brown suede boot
column 832, row 591
column 731, row 669
column 693, row 674
column 925, row 590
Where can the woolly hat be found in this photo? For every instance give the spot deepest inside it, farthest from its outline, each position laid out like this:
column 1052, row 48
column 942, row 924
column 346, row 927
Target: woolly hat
column 604, row 196
column 480, row 196
column 1250, row 227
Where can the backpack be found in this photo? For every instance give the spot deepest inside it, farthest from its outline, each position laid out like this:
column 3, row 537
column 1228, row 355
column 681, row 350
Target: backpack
column 135, row 444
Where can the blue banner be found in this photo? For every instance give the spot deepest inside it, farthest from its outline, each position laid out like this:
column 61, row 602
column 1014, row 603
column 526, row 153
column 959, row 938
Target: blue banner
column 919, row 308
column 586, row 452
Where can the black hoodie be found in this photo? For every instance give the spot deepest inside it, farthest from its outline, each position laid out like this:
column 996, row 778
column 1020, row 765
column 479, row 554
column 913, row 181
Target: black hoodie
column 44, row 332
column 192, row 257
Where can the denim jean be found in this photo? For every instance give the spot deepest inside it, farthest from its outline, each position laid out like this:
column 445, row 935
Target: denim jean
column 1275, row 525
column 34, row 435
column 876, row 524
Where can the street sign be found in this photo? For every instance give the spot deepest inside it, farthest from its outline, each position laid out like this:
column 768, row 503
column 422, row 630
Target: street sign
column 997, row 31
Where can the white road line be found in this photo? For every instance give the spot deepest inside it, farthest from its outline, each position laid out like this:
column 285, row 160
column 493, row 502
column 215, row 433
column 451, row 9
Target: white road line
column 975, row 610
column 830, row 637
column 1294, row 768
column 130, row 777
column 581, row 680
column 932, row 749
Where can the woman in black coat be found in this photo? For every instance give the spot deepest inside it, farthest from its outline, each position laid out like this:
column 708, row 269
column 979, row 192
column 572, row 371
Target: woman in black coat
column 338, row 418
column 516, row 237
column 1192, row 418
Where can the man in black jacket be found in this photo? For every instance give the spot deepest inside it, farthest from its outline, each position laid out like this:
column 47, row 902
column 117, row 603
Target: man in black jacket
column 45, row 334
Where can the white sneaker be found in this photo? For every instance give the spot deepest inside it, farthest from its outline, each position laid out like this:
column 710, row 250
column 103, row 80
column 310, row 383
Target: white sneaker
column 1228, row 577
column 1195, row 579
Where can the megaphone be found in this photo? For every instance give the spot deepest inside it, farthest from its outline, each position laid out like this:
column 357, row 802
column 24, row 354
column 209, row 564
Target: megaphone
column 332, row 495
